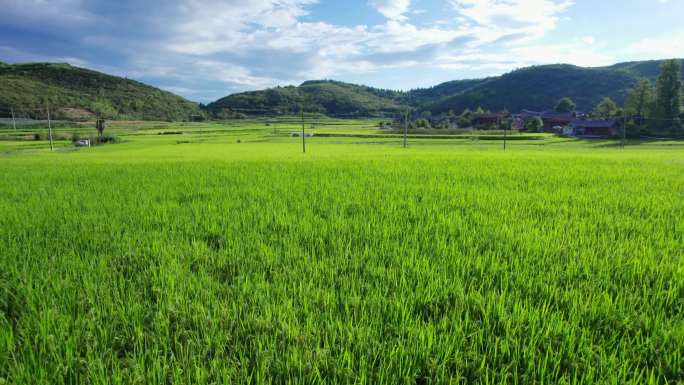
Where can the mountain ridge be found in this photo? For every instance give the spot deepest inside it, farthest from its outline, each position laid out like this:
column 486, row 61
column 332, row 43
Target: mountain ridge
column 536, row 87
column 80, row 93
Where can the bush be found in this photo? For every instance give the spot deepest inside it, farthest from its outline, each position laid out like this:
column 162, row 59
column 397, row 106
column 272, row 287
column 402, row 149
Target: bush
column 109, row 138
column 422, row 123
column 75, row 137
column 534, row 125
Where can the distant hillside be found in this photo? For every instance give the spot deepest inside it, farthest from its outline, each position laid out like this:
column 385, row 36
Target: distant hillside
column 324, row 96
column 80, row 93
column 424, row 96
column 540, row 87
column 537, row 88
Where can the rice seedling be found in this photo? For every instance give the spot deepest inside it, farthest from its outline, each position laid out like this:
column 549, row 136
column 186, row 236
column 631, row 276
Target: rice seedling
column 245, row 263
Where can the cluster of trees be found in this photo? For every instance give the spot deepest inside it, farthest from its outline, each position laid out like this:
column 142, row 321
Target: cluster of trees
column 658, row 108
column 449, row 119
column 649, row 107
column 652, row 107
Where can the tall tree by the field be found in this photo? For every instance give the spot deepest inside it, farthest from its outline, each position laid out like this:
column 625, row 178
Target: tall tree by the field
column 606, row 109
column 669, row 95
column 640, row 102
column 640, row 99
column 566, row 105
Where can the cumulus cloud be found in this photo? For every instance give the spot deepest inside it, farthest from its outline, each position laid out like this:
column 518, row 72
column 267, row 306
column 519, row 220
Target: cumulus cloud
column 392, row 9
column 223, row 46
column 668, row 46
column 522, row 18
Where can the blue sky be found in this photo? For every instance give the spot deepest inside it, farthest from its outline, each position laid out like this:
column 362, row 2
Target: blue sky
column 206, row 49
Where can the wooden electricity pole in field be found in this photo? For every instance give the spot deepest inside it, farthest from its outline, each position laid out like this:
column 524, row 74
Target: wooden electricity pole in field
column 406, row 122
column 506, row 127
column 303, row 137
column 624, row 127
column 50, row 129
column 14, row 120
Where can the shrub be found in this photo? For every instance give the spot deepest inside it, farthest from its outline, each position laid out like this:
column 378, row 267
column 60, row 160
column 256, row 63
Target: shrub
column 109, row 138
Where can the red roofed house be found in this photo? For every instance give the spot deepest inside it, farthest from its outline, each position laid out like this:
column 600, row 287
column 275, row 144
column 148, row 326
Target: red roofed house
column 596, row 128
column 489, row 119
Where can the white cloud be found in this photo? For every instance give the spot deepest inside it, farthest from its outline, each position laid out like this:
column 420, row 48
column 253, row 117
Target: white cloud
column 523, row 18
column 392, row 9
column 232, row 45
column 259, row 43
column 669, row 46
column 210, row 26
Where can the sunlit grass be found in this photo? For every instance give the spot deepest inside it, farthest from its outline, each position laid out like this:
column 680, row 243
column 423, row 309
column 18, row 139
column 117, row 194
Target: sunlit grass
column 234, row 258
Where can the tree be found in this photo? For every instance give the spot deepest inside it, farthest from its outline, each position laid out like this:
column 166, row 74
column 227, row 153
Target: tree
column 422, row 123
column 566, row 105
column 640, row 100
column 606, row 109
column 466, row 119
column 669, row 94
column 534, row 125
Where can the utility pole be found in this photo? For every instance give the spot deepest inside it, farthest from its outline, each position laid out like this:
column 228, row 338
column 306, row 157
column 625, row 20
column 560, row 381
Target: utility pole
column 303, row 137
column 14, row 121
column 406, row 123
column 50, row 129
column 506, row 128
column 624, row 127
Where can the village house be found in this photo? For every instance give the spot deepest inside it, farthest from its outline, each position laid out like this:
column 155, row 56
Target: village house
column 605, row 128
column 553, row 121
column 489, row 119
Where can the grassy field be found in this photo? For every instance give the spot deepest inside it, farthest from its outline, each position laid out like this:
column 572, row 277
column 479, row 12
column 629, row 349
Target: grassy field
column 220, row 254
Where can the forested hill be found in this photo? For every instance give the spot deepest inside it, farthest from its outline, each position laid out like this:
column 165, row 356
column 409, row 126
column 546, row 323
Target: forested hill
column 537, row 88
column 77, row 93
column 540, row 87
column 321, row 96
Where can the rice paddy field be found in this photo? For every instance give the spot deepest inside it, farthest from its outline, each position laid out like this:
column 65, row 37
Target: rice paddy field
column 221, row 254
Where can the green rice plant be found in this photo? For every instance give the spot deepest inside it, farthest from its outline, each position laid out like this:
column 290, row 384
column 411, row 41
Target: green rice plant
column 247, row 263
